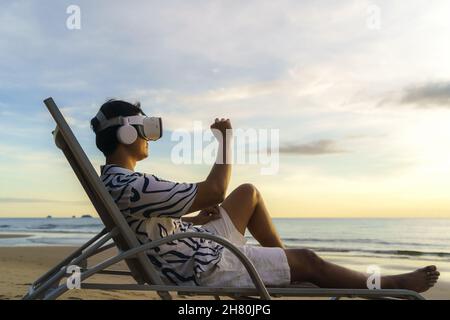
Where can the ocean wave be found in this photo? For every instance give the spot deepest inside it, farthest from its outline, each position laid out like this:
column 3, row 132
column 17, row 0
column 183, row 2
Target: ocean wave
column 361, row 241
column 4, row 226
column 332, row 246
column 48, row 226
column 56, row 242
column 67, row 226
column 405, row 253
column 413, row 253
column 60, row 228
column 91, row 225
column 53, row 231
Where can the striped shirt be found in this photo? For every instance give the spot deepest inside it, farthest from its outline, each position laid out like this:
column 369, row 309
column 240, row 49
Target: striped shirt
column 153, row 208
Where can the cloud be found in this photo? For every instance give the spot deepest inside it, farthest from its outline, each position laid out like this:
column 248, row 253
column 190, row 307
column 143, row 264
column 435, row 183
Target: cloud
column 314, row 148
column 311, row 69
column 24, row 155
column 34, row 200
column 430, row 95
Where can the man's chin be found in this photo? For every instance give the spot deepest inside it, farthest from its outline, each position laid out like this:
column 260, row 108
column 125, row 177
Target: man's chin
column 144, row 156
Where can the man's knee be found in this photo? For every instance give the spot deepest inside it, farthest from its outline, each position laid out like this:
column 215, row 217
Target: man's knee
column 250, row 191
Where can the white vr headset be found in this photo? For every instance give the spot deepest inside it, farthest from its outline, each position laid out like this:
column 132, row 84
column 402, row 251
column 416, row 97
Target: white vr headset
column 148, row 128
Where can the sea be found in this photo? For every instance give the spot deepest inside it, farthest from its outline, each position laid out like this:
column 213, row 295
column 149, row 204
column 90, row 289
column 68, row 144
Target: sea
column 423, row 239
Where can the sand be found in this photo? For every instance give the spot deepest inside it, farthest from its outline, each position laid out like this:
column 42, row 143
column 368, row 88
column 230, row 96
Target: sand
column 19, row 266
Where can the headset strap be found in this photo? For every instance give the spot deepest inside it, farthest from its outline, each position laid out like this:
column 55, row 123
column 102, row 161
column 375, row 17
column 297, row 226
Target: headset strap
column 117, row 121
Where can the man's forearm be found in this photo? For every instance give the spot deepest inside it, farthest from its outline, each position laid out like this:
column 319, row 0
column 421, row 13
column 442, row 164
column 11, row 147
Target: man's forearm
column 220, row 173
column 213, row 189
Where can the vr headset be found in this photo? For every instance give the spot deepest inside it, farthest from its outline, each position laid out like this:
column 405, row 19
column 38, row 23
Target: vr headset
column 148, row 128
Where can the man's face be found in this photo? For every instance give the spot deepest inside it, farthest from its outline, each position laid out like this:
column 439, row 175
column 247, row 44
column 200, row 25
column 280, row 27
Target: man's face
column 139, row 149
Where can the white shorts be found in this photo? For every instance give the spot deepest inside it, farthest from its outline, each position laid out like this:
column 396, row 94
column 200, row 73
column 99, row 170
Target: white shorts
column 271, row 263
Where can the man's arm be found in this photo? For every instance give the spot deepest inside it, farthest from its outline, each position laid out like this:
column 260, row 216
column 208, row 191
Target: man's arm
column 205, row 216
column 212, row 191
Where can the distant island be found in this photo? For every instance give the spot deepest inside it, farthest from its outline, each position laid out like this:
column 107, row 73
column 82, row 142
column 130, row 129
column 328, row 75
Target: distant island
column 74, row 217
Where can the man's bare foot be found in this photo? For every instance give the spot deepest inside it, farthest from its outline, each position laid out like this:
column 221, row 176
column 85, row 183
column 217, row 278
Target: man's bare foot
column 420, row 280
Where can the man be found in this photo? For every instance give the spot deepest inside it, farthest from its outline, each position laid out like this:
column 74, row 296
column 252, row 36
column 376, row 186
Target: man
column 155, row 208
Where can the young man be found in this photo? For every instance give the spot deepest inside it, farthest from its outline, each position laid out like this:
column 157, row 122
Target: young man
column 155, row 208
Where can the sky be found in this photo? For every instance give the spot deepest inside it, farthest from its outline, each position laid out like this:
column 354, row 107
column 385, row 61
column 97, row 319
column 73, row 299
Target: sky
column 359, row 91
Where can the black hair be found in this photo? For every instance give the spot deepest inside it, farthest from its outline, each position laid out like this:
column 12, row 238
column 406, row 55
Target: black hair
column 106, row 140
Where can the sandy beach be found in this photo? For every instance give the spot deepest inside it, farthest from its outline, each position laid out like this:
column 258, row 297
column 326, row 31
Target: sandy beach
column 19, row 266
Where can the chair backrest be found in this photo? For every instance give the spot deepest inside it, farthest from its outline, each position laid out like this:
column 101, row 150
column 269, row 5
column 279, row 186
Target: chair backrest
column 140, row 266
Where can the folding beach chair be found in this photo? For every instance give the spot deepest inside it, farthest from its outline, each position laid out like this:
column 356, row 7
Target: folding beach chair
column 118, row 234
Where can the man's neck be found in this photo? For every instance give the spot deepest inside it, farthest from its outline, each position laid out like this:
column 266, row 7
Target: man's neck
column 124, row 162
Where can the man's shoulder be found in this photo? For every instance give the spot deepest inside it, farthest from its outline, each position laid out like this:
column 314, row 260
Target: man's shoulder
column 119, row 180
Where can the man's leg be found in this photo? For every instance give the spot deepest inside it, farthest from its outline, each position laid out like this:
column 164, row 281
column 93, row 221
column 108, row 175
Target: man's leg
column 246, row 209
column 306, row 266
